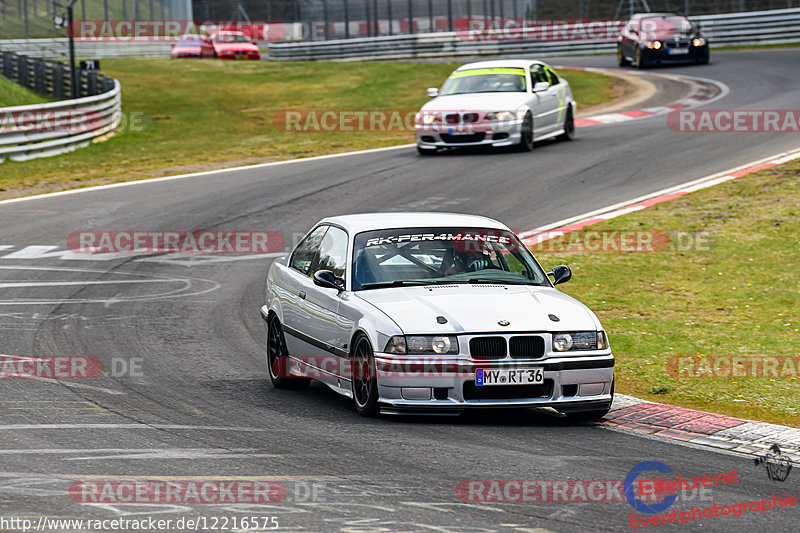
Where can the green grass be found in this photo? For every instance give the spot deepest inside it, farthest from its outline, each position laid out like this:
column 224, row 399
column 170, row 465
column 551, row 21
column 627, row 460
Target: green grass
column 12, row 94
column 588, row 90
column 196, row 115
column 740, row 296
column 40, row 24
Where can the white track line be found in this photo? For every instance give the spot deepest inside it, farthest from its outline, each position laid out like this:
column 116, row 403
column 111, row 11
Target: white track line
column 689, row 186
column 204, row 173
column 722, row 86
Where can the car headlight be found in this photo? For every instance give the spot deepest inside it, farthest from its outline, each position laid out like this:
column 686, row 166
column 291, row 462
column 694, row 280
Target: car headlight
column 580, row 340
column 425, row 117
column 500, row 115
column 655, row 45
column 698, row 41
column 422, row 345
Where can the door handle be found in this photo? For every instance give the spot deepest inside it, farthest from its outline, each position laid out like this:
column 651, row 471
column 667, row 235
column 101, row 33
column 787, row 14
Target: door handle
column 302, row 295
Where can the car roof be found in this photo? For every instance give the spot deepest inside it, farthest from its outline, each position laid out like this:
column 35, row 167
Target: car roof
column 655, row 15
column 500, row 63
column 374, row 221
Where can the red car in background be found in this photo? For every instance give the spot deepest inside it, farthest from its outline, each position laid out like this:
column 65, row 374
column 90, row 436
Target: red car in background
column 229, row 45
column 188, row 46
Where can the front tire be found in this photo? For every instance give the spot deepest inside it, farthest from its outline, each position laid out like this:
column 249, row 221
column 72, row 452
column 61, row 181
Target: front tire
column 364, row 381
column 526, row 138
column 622, row 61
column 569, row 127
column 278, row 359
column 639, row 59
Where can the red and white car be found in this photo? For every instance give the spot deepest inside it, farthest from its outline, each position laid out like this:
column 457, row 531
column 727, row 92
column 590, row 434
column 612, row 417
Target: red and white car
column 229, row 45
column 187, row 46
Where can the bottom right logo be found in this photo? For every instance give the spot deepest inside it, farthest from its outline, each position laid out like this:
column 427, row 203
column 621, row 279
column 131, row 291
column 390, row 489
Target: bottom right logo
column 777, row 465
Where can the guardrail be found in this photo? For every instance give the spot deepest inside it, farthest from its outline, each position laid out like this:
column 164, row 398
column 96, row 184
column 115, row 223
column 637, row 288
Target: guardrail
column 779, row 26
column 57, row 48
column 43, row 130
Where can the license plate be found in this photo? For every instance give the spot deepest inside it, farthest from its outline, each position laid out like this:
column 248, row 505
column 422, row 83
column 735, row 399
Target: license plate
column 242, row 56
column 678, row 51
column 509, row 376
column 452, row 131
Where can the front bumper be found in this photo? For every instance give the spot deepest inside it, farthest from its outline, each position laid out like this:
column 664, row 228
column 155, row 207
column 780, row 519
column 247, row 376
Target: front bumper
column 570, row 383
column 505, row 133
column 241, row 56
column 667, row 55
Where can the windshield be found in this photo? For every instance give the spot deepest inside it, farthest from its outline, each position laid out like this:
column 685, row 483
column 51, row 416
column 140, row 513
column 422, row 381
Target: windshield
column 666, row 24
column 422, row 256
column 232, row 38
column 485, row 80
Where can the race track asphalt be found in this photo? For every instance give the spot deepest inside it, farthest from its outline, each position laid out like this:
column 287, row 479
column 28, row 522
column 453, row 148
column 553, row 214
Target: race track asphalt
column 199, row 404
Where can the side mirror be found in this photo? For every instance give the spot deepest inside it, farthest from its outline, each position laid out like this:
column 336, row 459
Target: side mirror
column 255, row 43
column 433, row 92
column 560, row 274
column 541, row 86
column 326, row 278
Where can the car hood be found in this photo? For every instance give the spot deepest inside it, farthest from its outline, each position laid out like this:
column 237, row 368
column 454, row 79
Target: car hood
column 480, row 308
column 656, row 29
column 477, row 102
column 669, row 34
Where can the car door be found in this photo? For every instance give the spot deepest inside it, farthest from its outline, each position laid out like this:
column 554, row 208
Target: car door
column 545, row 103
column 294, row 286
column 207, row 48
column 326, row 324
column 322, row 332
column 562, row 95
column 629, row 35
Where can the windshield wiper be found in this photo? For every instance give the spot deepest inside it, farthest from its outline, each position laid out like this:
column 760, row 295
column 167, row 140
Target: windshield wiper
column 397, row 283
column 497, row 281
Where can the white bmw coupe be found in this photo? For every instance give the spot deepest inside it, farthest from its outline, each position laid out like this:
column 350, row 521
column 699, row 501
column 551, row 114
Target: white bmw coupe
column 434, row 313
column 497, row 103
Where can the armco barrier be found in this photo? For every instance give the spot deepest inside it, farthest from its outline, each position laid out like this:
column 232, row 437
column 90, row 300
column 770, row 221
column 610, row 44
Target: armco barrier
column 56, row 48
column 42, row 130
column 780, row 26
